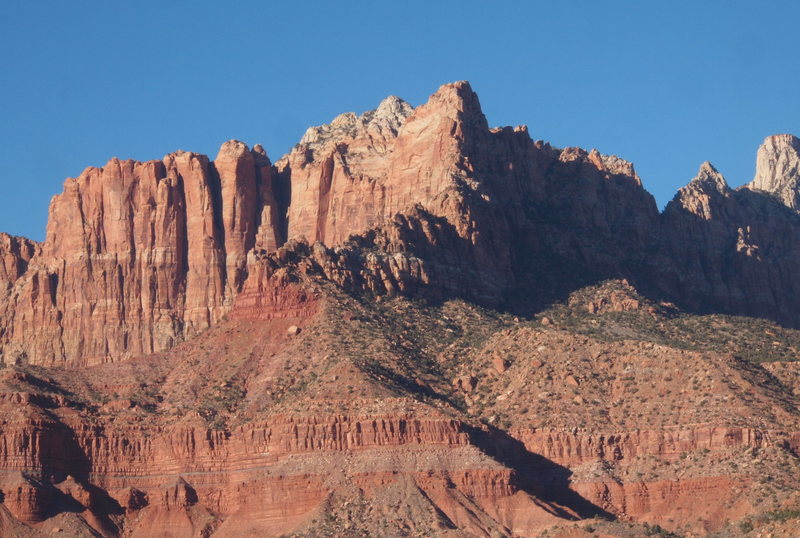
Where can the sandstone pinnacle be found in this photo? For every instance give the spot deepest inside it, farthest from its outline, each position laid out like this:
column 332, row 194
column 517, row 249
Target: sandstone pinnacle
column 778, row 169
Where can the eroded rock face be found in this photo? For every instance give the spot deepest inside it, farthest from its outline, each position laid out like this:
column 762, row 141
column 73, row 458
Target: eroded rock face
column 15, row 255
column 778, row 169
column 139, row 255
column 342, row 174
column 513, row 213
column 724, row 250
column 225, row 472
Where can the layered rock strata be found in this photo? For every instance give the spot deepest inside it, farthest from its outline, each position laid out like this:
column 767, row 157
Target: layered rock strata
column 270, row 477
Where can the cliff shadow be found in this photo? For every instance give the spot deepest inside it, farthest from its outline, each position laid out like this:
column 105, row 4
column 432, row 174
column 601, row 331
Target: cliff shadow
column 527, row 256
column 740, row 260
column 519, row 269
column 63, row 477
column 535, row 474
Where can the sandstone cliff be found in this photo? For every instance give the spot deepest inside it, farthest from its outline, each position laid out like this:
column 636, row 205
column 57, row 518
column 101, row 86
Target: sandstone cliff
column 518, row 212
column 308, row 350
column 140, row 255
column 725, row 250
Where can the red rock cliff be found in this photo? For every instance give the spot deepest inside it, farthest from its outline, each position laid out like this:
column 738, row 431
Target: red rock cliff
column 140, row 255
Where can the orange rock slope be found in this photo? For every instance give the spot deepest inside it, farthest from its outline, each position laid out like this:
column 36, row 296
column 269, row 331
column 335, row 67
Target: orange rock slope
column 352, row 340
column 251, row 428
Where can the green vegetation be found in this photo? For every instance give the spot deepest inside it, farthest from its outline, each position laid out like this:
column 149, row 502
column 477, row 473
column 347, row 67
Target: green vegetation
column 657, row 530
column 219, row 402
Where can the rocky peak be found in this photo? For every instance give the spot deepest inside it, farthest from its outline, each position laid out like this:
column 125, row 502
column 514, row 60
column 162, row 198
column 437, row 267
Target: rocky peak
column 260, row 154
column 607, row 165
column 778, row 169
column 458, row 98
column 699, row 195
column 391, row 112
column 359, row 171
column 386, row 119
column 709, row 179
column 233, row 148
column 614, row 165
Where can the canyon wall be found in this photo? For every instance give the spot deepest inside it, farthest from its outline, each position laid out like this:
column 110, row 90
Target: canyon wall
column 733, row 251
column 270, row 477
column 273, row 476
column 139, row 256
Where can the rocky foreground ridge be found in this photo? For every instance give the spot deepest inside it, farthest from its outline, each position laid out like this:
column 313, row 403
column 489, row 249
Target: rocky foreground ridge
column 410, row 324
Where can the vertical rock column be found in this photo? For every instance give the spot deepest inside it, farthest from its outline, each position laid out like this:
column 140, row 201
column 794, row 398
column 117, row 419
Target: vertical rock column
column 137, row 257
column 238, row 183
column 272, row 219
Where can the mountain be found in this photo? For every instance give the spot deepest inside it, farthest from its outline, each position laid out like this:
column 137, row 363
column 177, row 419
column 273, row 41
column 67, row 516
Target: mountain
column 410, row 324
column 778, row 168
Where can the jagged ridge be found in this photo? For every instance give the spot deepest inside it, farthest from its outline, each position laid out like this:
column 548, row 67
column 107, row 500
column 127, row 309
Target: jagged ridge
column 139, row 256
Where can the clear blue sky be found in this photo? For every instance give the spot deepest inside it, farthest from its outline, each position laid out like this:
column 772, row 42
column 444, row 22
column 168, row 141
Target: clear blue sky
column 666, row 85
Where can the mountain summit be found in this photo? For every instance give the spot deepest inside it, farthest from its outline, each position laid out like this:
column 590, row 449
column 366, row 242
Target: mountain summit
column 778, row 169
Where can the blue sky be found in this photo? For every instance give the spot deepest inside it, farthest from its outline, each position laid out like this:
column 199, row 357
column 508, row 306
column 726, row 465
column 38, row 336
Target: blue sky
column 666, row 85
